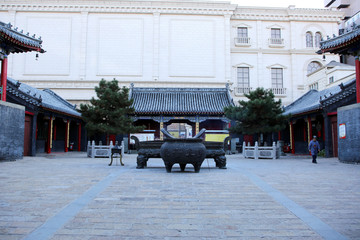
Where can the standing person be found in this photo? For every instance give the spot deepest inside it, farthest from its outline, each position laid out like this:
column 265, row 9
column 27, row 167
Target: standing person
column 314, row 148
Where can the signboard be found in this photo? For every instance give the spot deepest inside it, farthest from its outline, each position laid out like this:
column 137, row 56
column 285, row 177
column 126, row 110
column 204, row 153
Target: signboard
column 215, row 137
column 143, row 137
column 342, row 131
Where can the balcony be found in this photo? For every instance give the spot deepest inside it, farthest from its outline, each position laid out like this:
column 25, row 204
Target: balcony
column 243, row 41
column 242, row 90
column 278, row 91
column 276, row 42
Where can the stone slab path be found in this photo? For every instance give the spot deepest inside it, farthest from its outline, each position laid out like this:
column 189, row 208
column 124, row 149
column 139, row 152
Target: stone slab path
column 69, row 196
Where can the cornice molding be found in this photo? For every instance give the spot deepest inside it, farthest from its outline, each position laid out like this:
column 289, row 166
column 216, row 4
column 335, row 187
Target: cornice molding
column 112, row 6
column 287, row 14
column 174, row 7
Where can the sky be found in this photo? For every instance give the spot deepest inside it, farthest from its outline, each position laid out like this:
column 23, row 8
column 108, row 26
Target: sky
column 281, row 3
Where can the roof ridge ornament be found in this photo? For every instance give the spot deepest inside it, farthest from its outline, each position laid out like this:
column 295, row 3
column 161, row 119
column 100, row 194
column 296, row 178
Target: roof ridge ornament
column 341, row 85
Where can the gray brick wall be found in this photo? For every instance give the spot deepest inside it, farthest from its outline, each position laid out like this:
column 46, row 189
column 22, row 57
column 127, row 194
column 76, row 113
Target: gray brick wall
column 349, row 147
column 12, row 120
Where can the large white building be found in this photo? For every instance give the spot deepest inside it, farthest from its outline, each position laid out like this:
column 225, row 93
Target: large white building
column 169, row 44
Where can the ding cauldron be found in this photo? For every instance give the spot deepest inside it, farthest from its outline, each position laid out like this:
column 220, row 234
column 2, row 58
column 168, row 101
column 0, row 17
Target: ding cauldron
column 183, row 151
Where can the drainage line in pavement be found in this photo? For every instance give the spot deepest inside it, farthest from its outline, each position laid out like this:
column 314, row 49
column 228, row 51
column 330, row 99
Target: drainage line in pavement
column 53, row 224
column 315, row 223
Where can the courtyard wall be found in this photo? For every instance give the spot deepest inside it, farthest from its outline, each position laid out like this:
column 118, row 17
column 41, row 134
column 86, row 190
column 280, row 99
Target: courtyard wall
column 11, row 131
column 349, row 141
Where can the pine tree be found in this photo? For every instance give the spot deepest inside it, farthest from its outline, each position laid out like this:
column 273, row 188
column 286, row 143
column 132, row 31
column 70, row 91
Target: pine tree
column 109, row 113
column 260, row 114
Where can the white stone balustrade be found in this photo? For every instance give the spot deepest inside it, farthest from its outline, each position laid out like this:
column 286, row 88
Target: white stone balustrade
column 103, row 151
column 257, row 151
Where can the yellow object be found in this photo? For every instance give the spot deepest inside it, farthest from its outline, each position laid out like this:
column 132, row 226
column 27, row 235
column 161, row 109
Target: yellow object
column 215, row 137
column 161, row 134
column 174, row 133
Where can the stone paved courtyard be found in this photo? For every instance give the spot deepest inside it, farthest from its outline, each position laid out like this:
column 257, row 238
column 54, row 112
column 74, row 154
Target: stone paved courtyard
column 70, row 196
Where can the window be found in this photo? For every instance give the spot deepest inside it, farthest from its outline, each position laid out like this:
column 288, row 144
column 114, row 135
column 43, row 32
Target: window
column 242, row 32
column 242, row 37
column 313, row 66
column 317, row 39
column 243, row 77
column 314, row 86
column 331, row 79
column 276, row 40
column 309, row 39
column 277, row 77
column 276, row 33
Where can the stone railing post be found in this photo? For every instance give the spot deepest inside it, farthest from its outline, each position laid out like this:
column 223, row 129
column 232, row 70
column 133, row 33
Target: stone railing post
column 243, row 148
column 273, row 150
column 110, row 147
column 256, row 150
column 122, row 148
column 93, row 149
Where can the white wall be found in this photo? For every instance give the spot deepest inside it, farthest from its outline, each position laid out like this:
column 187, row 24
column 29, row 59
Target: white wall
column 161, row 44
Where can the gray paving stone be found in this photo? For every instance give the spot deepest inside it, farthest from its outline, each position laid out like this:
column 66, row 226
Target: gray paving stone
column 128, row 203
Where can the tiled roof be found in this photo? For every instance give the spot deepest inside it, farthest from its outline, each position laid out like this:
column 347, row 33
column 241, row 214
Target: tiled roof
column 210, row 101
column 342, row 43
column 312, row 100
column 45, row 98
column 347, row 90
column 20, row 42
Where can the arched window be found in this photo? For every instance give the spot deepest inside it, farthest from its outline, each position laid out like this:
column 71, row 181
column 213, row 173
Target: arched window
column 313, row 66
column 317, row 39
column 309, row 39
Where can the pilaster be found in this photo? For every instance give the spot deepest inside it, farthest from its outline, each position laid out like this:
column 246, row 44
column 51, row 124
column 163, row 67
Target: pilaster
column 83, row 44
column 227, row 48
column 156, row 47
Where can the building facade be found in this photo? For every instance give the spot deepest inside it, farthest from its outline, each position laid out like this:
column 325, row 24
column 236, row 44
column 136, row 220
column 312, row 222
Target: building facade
column 330, row 75
column 172, row 44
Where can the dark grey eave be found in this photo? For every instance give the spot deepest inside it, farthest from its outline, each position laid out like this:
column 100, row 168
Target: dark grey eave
column 337, row 42
column 44, row 99
column 347, row 90
column 12, row 33
column 313, row 100
column 180, row 101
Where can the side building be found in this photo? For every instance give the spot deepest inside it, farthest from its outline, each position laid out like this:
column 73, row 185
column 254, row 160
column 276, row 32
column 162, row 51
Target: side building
column 51, row 123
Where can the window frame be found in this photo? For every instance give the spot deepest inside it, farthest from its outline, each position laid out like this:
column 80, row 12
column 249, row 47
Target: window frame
column 243, row 80
column 318, row 37
column 275, row 33
column 309, row 40
column 313, row 67
column 241, row 33
column 277, row 77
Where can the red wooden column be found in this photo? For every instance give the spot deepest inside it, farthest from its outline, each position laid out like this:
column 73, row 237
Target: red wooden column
column 4, row 64
column 292, row 139
column 309, row 129
column 50, row 135
column 357, row 68
column 67, row 129
column 79, row 137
